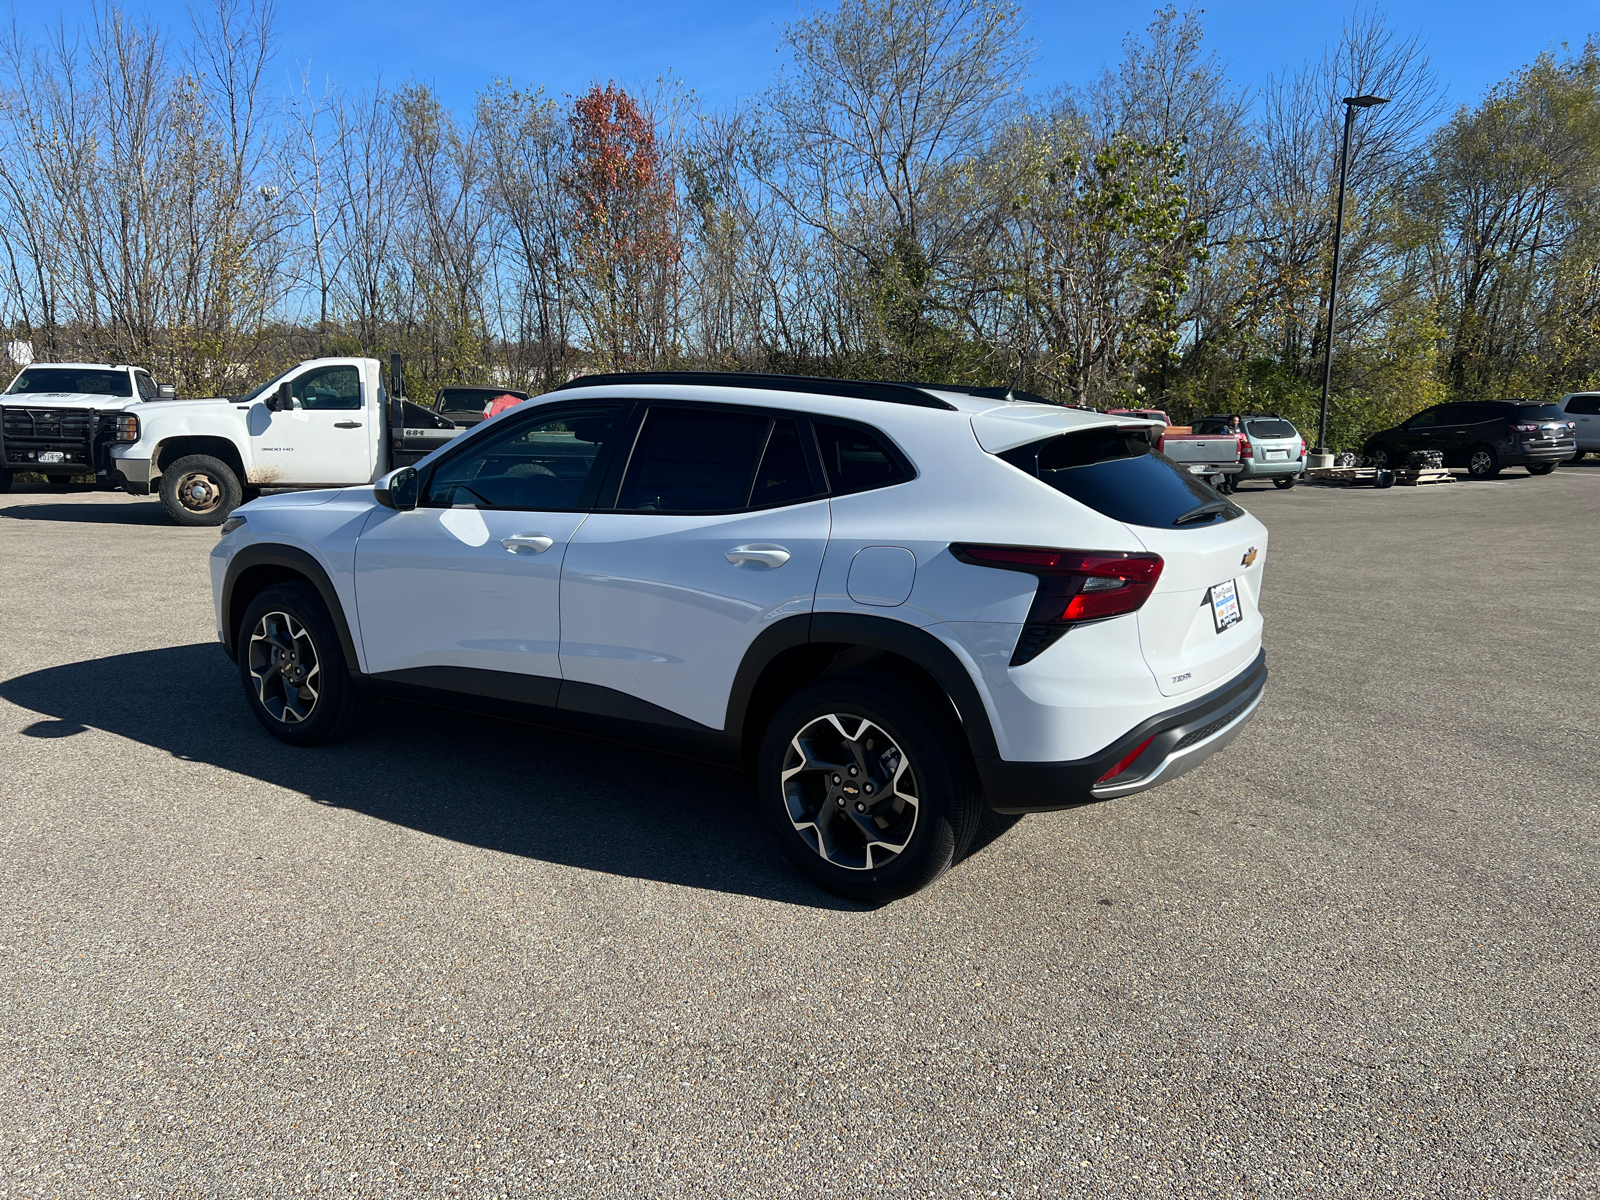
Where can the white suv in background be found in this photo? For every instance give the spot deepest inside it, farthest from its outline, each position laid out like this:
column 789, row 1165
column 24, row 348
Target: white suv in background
column 888, row 604
column 1271, row 447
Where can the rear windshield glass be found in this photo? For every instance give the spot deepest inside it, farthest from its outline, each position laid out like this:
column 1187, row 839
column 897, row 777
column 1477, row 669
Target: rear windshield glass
column 1119, row 475
column 468, row 400
column 73, row 379
column 1270, row 429
column 1539, row 412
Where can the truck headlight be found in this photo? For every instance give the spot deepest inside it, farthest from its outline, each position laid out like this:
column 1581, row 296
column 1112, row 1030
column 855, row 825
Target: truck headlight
column 127, row 427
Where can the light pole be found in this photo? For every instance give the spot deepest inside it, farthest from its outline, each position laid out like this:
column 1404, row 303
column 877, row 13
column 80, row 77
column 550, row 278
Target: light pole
column 1351, row 103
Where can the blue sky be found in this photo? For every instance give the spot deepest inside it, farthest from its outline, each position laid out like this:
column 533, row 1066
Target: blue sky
column 725, row 49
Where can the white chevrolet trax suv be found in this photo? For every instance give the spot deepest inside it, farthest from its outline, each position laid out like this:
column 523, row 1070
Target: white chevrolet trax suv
column 889, row 604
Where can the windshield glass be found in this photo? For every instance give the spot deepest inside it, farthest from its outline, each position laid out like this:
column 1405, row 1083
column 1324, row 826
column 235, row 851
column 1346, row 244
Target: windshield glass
column 96, row 381
column 1120, row 476
column 265, row 387
column 1270, row 429
column 1540, row 412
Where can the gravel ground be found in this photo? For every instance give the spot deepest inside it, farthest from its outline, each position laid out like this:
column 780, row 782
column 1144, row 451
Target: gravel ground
column 1354, row 955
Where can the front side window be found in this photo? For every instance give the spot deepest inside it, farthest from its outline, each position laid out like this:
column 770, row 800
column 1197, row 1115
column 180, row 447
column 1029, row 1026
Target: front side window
column 331, row 388
column 1428, row 418
column 543, row 464
column 89, row 380
column 857, row 459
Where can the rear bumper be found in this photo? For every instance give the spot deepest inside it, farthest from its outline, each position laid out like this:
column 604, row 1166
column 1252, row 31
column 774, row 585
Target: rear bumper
column 1180, row 739
column 1521, row 456
column 1257, row 469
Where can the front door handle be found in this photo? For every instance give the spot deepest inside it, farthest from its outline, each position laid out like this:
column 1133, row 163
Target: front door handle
column 347, row 424
column 762, row 554
column 527, row 543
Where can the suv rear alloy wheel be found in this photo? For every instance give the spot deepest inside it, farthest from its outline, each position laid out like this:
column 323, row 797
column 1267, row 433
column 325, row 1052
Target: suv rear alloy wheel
column 1483, row 463
column 200, row 490
column 293, row 673
column 868, row 795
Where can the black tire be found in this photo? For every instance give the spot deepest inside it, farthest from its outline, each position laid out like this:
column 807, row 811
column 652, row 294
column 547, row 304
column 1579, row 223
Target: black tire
column 1283, row 482
column 1541, row 468
column 1381, row 457
column 1383, row 479
column 200, row 490
column 304, row 703
column 1483, row 462
column 863, row 849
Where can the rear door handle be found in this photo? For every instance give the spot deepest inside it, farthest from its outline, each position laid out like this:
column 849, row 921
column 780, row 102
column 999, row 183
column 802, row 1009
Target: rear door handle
column 527, row 543
column 347, row 424
column 761, row 554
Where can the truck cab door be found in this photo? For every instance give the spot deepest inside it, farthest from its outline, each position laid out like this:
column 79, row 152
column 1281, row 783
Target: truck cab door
column 326, row 438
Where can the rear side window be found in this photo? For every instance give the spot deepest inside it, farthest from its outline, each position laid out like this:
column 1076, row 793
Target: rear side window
column 857, row 459
column 1117, row 474
column 1271, row 429
column 1584, row 406
column 784, row 476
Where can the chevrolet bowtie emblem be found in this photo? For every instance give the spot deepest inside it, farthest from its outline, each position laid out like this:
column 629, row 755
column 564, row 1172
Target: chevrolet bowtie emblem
column 1249, row 557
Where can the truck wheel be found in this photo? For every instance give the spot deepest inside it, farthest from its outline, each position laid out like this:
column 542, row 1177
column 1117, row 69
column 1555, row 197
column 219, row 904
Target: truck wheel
column 293, row 671
column 870, row 794
column 200, row 490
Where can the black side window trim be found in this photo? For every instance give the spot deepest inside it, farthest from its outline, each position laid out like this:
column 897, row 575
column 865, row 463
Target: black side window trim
column 607, row 499
column 598, row 476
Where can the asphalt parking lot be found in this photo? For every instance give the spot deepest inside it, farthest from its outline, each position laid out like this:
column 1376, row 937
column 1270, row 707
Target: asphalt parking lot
column 1357, row 954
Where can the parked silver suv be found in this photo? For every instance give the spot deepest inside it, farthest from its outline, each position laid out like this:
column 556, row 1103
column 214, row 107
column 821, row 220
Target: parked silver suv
column 1271, row 447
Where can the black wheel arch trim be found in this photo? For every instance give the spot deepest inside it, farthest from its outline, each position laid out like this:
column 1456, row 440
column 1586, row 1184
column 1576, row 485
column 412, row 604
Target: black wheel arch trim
column 300, row 562
column 908, row 641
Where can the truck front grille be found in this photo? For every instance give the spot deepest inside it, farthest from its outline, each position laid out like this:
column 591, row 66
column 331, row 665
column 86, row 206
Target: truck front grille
column 52, row 424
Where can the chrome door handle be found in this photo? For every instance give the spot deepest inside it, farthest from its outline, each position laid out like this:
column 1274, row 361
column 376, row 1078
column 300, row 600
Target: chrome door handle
column 527, row 543
column 762, row 554
column 347, row 424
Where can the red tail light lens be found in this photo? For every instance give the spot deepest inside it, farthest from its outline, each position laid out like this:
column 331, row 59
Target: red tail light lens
column 1246, row 450
column 1074, row 586
column 1127, row 762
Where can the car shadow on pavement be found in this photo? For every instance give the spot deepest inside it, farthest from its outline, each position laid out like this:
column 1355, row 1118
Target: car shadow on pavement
column 504, row 786
column 91, row 514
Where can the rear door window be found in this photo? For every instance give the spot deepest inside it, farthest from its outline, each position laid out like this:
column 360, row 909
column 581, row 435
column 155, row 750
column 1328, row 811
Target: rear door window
column 1584, row 406
column 1117, row 474
column 693, row 460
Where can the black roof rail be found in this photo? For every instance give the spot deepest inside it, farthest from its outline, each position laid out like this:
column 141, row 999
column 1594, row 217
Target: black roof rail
column 854, row 389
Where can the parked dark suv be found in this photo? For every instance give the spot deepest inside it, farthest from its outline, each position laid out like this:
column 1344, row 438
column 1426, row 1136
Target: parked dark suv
column 1482, row 436
column 464, row 406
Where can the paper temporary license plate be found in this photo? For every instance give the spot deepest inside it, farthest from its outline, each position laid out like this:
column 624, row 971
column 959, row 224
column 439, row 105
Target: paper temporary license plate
column 1277, row 454
column 52, row 456
column 1225, row 605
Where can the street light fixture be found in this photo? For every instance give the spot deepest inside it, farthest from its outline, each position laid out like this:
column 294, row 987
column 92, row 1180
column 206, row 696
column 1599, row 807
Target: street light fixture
column 1351, row 103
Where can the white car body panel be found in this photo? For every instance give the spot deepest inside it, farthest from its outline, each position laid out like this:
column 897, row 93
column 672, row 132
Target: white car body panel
column 438, row 587
column 1586, row 425
column 651, row 606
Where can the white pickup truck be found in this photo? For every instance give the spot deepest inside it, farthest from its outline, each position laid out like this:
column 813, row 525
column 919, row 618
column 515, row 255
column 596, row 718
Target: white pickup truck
column 327, row 422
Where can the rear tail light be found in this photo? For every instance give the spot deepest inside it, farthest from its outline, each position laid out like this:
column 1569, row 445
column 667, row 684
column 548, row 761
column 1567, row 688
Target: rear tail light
column 1246, row 450
column 1526, row 428
column 1074, row 586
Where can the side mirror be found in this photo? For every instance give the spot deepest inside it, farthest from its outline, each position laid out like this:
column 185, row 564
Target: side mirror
column 398, row 489
column 165, row 391
column 283, row 399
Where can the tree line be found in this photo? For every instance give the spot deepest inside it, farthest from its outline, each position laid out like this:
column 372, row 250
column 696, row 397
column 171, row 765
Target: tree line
column 901, row 202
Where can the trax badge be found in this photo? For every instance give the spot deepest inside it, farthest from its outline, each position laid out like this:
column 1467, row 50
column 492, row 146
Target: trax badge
column 1249, row 557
